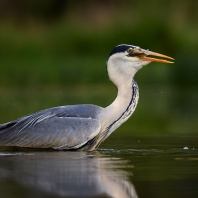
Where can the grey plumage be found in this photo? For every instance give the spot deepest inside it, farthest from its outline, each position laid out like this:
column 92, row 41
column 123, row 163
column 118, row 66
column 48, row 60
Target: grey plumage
column 64, row 128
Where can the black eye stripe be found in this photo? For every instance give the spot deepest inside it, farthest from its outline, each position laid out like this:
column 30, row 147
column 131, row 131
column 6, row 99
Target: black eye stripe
column 131, row 55
column 134, row 54
column 120, row 49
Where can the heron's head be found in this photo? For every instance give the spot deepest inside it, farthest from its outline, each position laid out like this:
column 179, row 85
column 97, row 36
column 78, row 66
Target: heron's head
column 125, row 60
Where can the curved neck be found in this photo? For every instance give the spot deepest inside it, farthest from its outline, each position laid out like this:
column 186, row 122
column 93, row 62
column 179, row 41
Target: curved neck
column 120, row 104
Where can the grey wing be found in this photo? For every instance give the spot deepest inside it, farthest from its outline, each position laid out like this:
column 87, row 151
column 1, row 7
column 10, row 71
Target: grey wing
column 48, row 130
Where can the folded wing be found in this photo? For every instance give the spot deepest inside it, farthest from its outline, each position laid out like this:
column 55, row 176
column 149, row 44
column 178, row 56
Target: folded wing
column 49, row 129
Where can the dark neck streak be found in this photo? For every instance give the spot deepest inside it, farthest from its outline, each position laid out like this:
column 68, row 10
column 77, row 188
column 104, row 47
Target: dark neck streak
column 125, row 115
column 96, row 141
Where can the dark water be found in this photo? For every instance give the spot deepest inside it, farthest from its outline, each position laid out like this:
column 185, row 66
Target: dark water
column 140, row 166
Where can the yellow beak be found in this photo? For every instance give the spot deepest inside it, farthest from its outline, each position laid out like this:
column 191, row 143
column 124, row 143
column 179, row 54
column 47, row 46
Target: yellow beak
column 143, row 55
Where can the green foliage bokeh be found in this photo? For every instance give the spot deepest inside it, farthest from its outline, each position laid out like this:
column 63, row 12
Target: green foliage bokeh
column 54, row 52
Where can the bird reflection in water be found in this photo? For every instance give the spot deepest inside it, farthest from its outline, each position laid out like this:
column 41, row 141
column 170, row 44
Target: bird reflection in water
column 69, row 174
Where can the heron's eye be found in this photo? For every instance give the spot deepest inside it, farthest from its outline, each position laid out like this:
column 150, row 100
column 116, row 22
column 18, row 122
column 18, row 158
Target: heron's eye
column 130, row 50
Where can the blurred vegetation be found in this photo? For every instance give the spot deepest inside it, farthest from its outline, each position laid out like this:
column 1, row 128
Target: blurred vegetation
column 53, row 53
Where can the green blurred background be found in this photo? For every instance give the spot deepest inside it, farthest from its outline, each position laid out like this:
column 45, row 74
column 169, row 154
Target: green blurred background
column 54, row 52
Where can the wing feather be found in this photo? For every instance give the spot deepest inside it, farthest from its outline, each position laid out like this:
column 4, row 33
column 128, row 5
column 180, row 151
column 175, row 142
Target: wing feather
column 49, row 129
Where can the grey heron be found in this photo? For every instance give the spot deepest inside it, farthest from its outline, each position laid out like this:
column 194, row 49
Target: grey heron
column 85, row 126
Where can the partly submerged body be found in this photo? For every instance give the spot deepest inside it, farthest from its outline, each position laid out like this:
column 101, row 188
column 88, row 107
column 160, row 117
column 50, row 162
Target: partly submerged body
column 72, row 127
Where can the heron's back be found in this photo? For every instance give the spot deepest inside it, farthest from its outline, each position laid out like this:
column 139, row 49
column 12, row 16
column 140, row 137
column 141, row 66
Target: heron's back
column 63, row 127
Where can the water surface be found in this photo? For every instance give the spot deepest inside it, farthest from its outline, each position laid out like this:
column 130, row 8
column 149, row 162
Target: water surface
column 131, row 166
